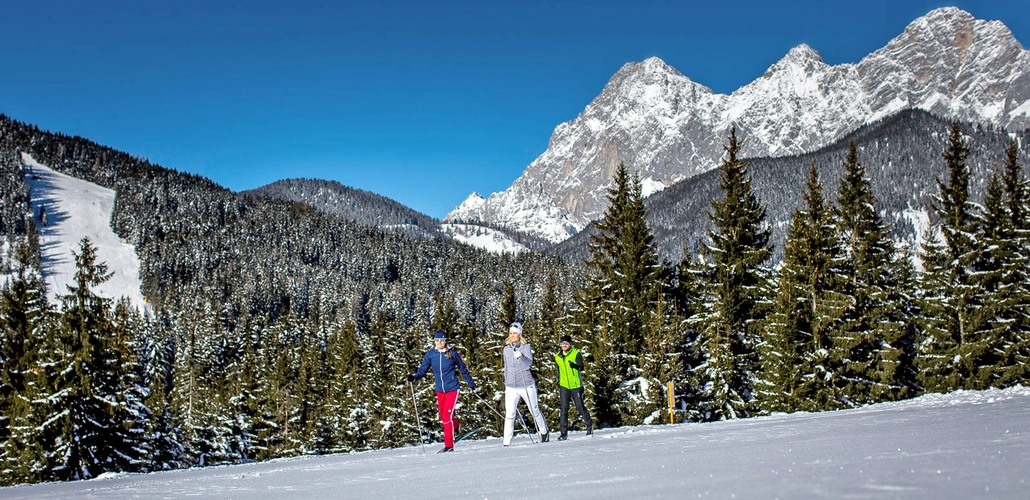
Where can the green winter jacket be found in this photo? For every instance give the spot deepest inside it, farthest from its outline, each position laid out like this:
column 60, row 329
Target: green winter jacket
column 569, row 366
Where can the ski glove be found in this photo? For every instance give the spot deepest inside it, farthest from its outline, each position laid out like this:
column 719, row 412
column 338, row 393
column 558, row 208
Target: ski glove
column 411, row 378
column 518, row 354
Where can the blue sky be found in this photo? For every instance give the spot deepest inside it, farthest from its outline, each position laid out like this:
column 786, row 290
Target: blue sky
column 418, row 101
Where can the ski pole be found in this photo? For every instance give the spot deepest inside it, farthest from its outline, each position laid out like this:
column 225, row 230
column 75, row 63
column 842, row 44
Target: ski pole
column 524, row 426
column 418, row 421
column 488, row 405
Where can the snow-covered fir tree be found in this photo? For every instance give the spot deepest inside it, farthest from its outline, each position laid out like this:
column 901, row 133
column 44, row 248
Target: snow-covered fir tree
column 94, row 420
column 797, row 369
column 957, row 319
column 625, row 281
column 873, row 349
column 1016, row 206
column 733, row 302
column 25, row 321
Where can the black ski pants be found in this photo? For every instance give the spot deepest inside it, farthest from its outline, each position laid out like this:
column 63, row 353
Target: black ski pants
column 577, row 396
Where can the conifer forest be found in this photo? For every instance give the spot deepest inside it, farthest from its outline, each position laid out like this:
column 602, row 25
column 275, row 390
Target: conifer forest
column 274, row 328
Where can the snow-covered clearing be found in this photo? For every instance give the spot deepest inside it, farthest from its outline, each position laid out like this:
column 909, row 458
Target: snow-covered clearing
column 967, row 444
column 486, row 238
column 75, row 209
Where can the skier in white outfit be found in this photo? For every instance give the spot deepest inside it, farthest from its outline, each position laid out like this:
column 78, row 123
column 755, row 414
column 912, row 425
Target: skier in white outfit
column 519, row 383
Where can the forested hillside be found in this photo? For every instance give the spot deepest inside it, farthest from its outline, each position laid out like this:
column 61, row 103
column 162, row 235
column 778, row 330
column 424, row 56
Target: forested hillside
column 373, row 210
column 358, row 205
column 246, row 290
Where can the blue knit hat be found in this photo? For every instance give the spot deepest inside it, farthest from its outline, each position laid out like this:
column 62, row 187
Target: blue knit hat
column 440, row 335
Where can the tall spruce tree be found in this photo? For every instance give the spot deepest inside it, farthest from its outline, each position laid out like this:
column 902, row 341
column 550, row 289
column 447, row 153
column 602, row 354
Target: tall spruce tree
column 1017, row 204
column 797, row 373
column 625, row 280
column 661, row 363
column 22, row 306
column 123, row 383
column 351, row 388
column 693, row 279
column 24, row 319
column 998, row 268
column 201, row 395
column 955, row 318
column 92, row 427
column 874, row 347
column 157, row 348
column 728, row 329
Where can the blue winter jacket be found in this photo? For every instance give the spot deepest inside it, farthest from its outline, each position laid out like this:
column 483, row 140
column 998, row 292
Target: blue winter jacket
column 444, row 370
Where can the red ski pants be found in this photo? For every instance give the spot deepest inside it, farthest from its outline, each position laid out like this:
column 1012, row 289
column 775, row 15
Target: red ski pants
column 446, row 401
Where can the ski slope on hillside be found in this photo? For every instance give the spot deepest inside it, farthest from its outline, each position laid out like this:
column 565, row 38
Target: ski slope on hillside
column 75, row 209
column 963, row 445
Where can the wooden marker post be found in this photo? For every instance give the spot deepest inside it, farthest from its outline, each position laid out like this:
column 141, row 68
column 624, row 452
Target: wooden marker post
column 672, row 403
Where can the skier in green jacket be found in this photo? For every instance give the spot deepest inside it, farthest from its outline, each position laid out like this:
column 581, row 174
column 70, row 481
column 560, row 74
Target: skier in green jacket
column 570, row 363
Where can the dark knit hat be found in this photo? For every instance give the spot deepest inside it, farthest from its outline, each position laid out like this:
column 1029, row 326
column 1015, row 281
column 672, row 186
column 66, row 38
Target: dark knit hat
column 440, row 335
column 566, row 338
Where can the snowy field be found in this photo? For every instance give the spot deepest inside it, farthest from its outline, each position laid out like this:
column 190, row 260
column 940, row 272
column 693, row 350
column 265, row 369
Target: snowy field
column 76, row 208
column 962, row 445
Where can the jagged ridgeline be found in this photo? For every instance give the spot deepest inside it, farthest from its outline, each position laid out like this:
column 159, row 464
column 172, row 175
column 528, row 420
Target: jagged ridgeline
column 259, row 258
column 902, row 157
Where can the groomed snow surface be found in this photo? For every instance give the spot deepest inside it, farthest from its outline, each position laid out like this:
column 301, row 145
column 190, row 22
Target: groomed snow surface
column 963, row 445
column 75, row 209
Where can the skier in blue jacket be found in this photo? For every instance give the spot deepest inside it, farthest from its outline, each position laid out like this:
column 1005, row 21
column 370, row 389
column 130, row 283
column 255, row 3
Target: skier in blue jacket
column 444, row 362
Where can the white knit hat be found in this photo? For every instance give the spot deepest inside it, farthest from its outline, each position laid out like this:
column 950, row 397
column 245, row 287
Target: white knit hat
column 515, row 327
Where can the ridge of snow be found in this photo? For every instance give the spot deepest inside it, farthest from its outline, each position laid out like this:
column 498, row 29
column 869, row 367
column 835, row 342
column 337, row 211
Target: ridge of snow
column 75, row 209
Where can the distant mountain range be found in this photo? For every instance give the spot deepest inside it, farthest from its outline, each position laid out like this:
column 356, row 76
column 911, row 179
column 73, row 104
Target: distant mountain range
column 667, row 128
column 902, row 158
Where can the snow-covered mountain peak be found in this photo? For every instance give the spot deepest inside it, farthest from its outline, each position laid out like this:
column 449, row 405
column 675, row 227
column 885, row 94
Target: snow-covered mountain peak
column 799, row 65
column 651, row 72
column 655, row 64
column 473, row 199
column 468, row 210
column 652, row 64
column 802, row 55
column 665, row 127
column 941, row 18
column 953, row 29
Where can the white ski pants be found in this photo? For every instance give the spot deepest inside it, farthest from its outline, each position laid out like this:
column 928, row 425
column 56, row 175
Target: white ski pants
column 511, row 402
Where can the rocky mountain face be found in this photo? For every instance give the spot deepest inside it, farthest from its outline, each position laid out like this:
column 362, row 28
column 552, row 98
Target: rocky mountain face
column 667, row 128
column 902, row 156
